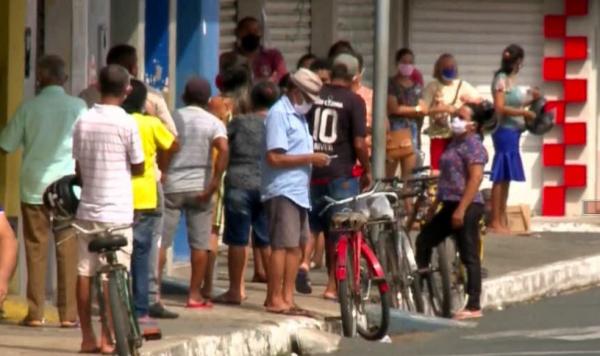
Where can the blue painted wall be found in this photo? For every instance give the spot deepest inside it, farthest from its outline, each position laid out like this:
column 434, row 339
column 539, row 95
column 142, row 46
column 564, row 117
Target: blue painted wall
column 157, row 43
column 197, row 42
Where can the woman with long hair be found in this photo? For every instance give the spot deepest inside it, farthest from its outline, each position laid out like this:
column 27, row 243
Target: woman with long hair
column 443, row 96
column 509, row 104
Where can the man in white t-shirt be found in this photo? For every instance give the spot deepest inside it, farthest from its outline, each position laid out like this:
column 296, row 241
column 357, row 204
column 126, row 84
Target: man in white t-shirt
column 108, row 152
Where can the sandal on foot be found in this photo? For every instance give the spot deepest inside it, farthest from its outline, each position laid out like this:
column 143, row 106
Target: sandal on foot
column 198, row 305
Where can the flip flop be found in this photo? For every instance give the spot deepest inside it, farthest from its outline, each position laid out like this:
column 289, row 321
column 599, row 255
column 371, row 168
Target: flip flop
column 96, row 350
column 222, row 299
column 69, row 324
column 32, row 323
column 198, row 305
column 330, row 297
column 302, row 312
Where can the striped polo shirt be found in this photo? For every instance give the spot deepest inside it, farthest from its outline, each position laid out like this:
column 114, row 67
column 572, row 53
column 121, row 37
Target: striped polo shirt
column 105, row 145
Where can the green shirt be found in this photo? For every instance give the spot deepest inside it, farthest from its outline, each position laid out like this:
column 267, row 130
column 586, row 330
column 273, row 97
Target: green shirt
column 43, row 127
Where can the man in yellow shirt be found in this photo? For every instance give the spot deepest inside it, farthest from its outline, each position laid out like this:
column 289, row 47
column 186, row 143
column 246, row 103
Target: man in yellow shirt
column 156, row 141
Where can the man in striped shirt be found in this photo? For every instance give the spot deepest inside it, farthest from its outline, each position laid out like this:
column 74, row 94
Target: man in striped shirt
column 108, row 152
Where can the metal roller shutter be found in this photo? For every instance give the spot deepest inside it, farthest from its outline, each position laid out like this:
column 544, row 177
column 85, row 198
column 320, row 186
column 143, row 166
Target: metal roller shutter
column 288, row 28
column 356, row 23
column 228, row 20
column 476, row 32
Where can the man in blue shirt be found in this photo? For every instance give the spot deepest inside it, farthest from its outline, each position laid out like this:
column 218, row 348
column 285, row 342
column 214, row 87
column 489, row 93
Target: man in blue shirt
column 285, row 186
column 43, row 127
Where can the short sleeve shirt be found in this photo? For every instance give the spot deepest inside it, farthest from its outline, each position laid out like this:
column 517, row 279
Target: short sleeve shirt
column 404, row 96
column 513, row 97
column 286, row 130
column 454, row 167
column 43, row 127
column 154, row 136
column 106, row 142
column 437, row 93
column 336, row 119
column 246, row 137
column 191, row 167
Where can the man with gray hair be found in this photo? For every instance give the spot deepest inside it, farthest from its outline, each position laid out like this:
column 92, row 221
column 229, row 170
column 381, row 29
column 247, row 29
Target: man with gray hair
column 43, row 127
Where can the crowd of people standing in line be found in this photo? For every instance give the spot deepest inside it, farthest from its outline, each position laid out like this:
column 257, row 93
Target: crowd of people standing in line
column 252, row 162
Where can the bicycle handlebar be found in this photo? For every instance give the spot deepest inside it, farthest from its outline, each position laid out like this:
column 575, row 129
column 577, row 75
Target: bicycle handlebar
column 371, row 193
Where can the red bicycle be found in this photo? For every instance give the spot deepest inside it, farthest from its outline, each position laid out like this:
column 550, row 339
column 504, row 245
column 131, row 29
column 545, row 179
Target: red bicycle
column 362, row 287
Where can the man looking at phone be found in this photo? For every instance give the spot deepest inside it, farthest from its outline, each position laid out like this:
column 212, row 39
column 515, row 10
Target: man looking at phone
column 338, row 125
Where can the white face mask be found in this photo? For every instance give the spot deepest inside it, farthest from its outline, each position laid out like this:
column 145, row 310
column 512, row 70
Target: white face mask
column 303, row 108
column 458, row 126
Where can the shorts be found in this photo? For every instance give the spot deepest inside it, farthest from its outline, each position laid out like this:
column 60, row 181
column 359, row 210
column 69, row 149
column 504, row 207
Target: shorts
column 402, row 123
column 244, row 211
column 340, row 188
column 198, row 218
column 89, row 261
column 287, row 223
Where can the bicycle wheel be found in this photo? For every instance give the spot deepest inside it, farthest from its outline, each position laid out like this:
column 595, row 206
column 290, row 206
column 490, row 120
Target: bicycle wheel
column 346, row 296
column 373, row 303
column 121, row 313
column 411, row 282
column 386, row 252
column 438, row 282
column 458, row 278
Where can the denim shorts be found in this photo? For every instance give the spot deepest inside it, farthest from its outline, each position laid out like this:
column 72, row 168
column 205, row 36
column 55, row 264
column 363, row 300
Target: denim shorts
column 243, row 211
column 401, row 123
column 340, row 188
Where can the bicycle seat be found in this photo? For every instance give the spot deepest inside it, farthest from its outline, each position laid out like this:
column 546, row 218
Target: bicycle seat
column 105, row 244
column 349, row 220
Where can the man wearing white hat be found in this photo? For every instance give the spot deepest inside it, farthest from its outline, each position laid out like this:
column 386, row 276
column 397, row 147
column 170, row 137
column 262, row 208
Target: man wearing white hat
column 286, row 169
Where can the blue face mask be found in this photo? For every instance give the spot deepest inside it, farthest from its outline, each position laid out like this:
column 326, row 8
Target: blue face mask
column 449, row 74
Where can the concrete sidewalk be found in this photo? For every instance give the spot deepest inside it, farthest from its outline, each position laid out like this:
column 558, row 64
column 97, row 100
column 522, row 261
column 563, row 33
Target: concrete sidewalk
column 520, row 269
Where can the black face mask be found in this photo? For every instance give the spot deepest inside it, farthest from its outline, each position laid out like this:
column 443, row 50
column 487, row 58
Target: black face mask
column 250, row 42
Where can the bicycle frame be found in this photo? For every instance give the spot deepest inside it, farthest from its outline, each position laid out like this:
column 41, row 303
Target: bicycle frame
column 105, row 270
column 359, row 247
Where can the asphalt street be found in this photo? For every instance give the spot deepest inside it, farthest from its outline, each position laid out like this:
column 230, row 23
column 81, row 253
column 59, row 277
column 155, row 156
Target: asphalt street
column 563, row 325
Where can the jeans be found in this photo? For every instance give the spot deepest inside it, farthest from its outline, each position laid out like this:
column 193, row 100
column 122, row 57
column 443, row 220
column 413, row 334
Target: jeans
column 339, row 188
column 154, row 288
column 468, row 243
column 143, row 233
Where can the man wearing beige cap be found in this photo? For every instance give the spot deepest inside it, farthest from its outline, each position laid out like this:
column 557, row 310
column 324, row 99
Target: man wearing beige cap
column 286, row 170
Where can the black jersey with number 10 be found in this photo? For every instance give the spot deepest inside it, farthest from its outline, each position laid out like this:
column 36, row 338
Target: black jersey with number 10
column 334, row 121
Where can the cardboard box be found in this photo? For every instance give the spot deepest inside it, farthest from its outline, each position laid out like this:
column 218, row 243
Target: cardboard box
column 519, row 218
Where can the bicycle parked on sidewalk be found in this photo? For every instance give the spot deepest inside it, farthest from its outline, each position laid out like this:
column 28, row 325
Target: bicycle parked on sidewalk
column 362, row 287
column 113, row 279
column 395, row 248
column 444, row 282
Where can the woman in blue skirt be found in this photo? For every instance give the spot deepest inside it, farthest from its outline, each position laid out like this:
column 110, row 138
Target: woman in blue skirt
column 509, row 103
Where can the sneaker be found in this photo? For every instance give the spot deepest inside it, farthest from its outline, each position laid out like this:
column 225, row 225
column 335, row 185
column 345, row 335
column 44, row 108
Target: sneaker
column 465, row 314
column 303, row 282
column 157, row 310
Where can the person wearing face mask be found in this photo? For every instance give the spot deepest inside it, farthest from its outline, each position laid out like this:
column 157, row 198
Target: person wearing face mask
column 405, row 109
column 461, row 173
column 263, row 63
column 510, row 103
column 286, row 170
column 443, row 97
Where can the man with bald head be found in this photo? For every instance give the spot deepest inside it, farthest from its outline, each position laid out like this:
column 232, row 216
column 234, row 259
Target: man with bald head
column 43, row 128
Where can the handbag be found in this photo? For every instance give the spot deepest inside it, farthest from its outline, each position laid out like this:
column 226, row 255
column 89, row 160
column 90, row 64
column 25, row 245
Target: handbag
column 399, row 144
